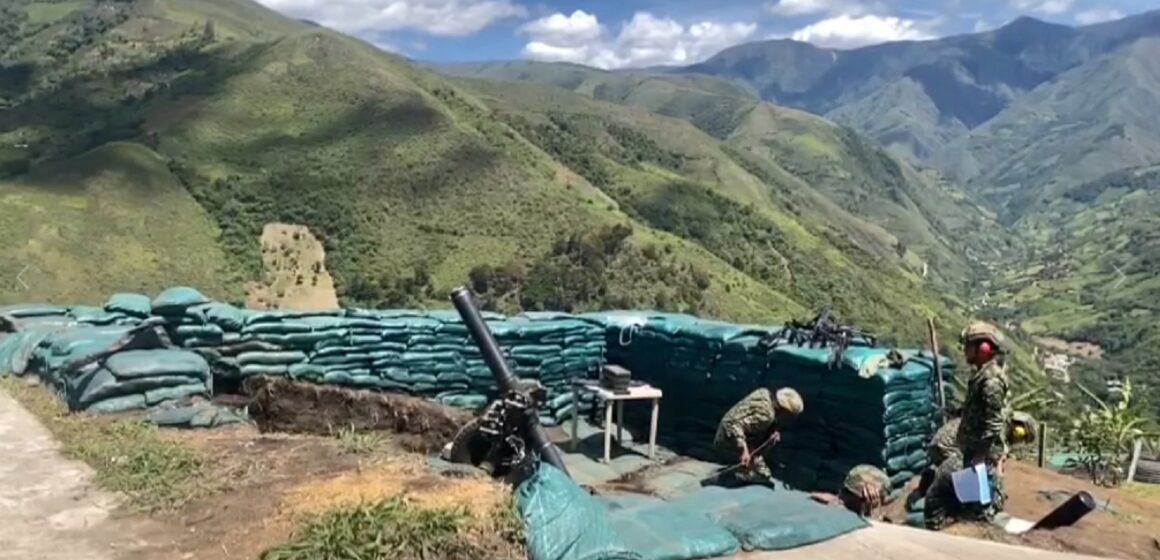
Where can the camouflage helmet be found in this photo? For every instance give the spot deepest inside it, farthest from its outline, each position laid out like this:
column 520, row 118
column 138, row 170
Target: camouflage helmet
column 1022, row 428
column 981, row 331
column 789, row 400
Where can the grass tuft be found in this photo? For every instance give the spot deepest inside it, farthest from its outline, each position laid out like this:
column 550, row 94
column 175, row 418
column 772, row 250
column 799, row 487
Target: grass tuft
column 396, row 529
column 353, row 442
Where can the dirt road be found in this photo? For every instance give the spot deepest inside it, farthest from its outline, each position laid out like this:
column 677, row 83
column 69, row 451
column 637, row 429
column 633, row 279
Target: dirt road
column 48, row 509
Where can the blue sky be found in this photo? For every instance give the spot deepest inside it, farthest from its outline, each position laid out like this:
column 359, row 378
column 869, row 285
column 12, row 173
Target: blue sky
column 633, row 33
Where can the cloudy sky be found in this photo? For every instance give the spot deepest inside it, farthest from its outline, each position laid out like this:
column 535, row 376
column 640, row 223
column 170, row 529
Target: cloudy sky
column 629, row 33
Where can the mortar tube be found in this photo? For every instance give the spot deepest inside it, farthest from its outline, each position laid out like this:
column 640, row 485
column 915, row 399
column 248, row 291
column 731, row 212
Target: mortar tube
column 468, row 310
column 1068, row 513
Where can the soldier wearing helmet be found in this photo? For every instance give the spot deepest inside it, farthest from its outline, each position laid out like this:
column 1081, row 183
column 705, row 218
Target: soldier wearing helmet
column 982, row 436
column 752, row 423
column 943, row 445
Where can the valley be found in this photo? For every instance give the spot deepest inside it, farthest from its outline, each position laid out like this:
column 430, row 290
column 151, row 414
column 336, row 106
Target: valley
column 709, row 189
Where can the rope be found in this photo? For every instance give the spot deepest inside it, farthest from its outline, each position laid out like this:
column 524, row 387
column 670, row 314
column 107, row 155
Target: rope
column 629, row 330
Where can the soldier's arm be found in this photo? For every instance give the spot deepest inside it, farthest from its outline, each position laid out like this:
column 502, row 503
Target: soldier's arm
column 734, row 427
column 744, row 417
column 994, row 424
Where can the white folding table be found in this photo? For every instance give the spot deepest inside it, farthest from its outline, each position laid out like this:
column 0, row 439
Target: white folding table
column 610, row 398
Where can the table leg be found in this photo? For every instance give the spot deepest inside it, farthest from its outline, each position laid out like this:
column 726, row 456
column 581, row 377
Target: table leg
column 620, row 423
column 607, row 431
column 652, row 429
column 575, row 417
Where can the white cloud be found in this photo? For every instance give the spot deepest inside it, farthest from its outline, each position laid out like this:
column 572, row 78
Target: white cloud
column 845, row 32
column 645, row 40
column 438, row 17
column 1098, row 15
column 793, row 8
column 1051, row 7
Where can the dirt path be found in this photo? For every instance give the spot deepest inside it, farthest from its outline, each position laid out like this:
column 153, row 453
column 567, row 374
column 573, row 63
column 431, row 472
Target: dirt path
column 48, row 509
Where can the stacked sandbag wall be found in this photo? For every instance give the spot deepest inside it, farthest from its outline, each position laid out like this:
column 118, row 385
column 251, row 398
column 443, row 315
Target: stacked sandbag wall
column 861, row 408
column 423, row 353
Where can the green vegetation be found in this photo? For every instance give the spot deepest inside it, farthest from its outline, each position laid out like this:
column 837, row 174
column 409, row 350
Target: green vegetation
column 1077, row 294
column 393, row 528
column 1103, row 436
column 354, row 442
column 129, row 456
column 681, row 193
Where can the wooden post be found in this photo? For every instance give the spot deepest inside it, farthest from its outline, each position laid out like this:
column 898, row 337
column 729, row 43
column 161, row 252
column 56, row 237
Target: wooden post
column 1042, row 460
column 938, row 378
column 1136, row 448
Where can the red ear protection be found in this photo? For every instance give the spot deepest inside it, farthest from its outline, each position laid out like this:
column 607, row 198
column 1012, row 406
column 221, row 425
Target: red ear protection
column 985, row 351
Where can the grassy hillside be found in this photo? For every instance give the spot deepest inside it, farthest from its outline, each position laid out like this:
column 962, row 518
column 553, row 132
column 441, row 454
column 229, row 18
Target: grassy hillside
column 545, row 199
column 1082, row 238
column 825, row 175
column 112, row 219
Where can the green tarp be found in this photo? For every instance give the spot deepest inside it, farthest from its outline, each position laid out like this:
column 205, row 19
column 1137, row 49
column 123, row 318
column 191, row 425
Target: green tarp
column 563, row 522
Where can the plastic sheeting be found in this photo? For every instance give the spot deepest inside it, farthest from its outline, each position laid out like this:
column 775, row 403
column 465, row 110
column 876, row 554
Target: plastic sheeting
column 563, row 522
column 660, row 531
column 765, row 519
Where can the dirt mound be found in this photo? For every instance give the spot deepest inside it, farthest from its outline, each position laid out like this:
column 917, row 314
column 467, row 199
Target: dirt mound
column 282, row 405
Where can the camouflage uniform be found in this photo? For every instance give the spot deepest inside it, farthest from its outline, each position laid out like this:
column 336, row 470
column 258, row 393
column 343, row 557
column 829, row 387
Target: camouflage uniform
column 942, row 446
column 940, row 503
column 982, row 432
column 864, row 477
column 750, row 422
column 986, row 419
column 944, row 443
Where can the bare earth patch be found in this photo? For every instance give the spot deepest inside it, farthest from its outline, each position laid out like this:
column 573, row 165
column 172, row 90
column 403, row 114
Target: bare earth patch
column 1129, row 530
column 295, row 275
column 282, row 405
column 1077, row 349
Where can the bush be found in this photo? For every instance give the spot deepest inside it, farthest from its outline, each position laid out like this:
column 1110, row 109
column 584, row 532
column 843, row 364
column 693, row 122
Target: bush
column 1103, row 436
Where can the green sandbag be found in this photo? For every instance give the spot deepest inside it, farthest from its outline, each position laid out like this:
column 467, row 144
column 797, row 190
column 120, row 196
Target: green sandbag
column 200, row 331
column 29, row 310
column 271, row 358
column 223, row 315
column 563, row 522
column 134, row 305
column 764, row 519
column 18, row 349
column 664, row 532
column 147, row 363
column 118, row 404
column 102, row 384
column 157, row 396
column 174, row 301
column 198, row 416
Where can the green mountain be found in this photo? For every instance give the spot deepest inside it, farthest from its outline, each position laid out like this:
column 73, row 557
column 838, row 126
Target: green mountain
column 224, row 117
column 1092, row 120
column 823, row 173
column 995, row 110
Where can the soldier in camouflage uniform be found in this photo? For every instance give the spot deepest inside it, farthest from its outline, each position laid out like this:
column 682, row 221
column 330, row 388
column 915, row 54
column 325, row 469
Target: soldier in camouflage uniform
column 944, row 444
column 865, row 490
column 983, row 429
column 751, row 423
